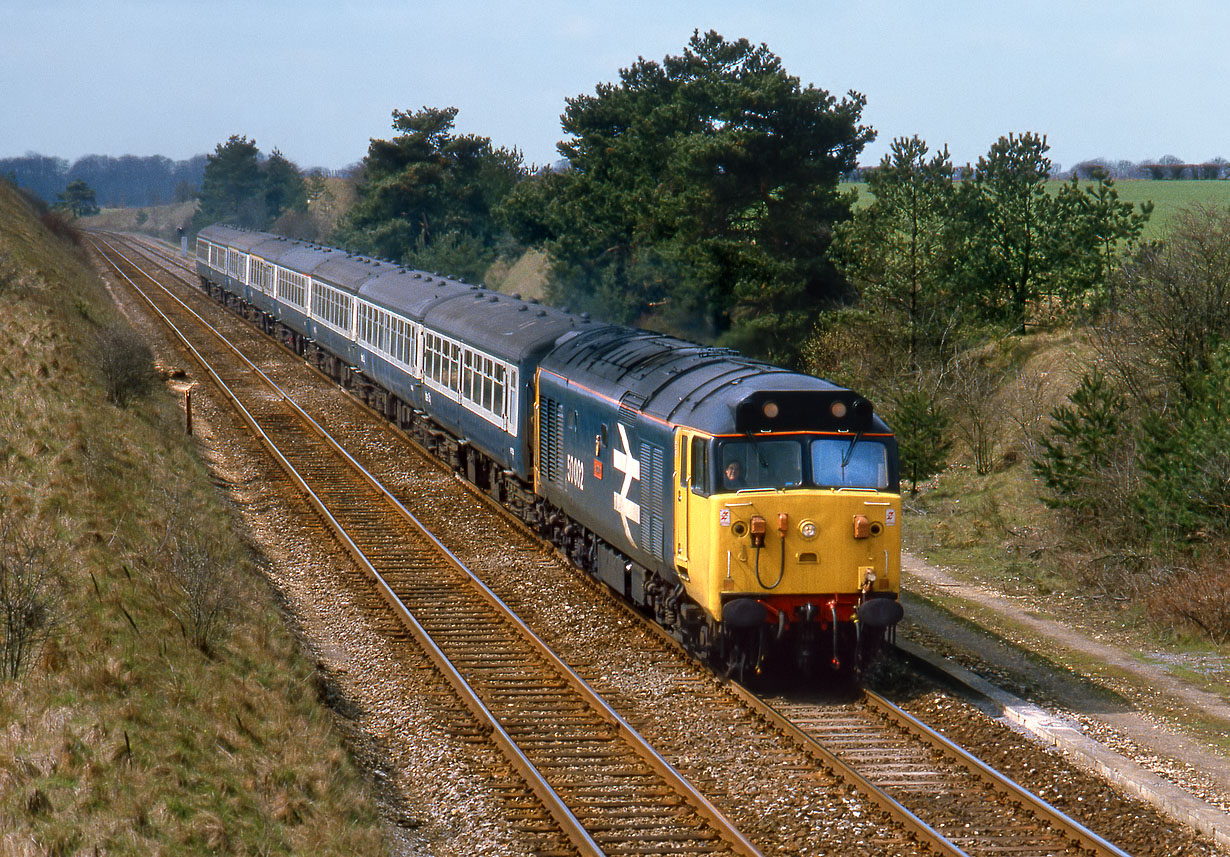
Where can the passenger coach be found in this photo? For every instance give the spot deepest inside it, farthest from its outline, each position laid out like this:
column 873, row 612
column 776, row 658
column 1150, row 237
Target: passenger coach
column 754, row 511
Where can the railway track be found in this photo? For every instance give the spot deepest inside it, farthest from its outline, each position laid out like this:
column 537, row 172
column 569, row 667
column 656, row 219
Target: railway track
column 605, row 787
column 937, row 804
column 971, row 807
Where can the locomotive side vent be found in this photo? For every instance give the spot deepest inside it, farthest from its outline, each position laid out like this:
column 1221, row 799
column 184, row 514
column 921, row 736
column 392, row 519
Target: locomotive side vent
column 551, row 440
column 630, row 408
column 652, row 458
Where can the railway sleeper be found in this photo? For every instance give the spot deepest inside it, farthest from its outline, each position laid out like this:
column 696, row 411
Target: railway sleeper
column 644, row 588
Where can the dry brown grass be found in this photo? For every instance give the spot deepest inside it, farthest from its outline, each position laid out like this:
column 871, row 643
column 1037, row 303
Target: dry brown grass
column 161, row 221
column 126, row 738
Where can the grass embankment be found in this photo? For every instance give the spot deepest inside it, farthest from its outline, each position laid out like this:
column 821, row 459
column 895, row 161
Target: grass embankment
column 160, row 221
column 124, row 737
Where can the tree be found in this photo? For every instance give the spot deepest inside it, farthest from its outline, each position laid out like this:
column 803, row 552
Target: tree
column 1085, row 437
column 231, row 190
column 284, row 187
column 1175, row 312
column 921, row 427
column 1009, row 218
column 428, row 183
column 702, row 191
column 78, row 198
column 1091, row 224
column 898, row 249
column 240, row 188
column 1184, row 458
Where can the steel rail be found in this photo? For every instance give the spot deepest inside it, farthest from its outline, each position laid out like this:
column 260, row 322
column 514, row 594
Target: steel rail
column 1062, row 823
column 551, row 800
column 1067, row 825
column 660, row 765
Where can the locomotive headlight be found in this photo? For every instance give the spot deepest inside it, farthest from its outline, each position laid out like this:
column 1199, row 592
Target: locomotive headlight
column 807, row 529
column 838, row 410
column 770, row 410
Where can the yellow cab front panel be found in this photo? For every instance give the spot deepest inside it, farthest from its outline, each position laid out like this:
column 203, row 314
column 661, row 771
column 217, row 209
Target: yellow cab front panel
column 810, row 553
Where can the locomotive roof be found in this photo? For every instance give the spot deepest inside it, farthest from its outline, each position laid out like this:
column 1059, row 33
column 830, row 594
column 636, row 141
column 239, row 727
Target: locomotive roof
column 713, row 389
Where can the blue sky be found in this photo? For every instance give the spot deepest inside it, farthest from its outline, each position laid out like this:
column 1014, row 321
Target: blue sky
column 318, row 78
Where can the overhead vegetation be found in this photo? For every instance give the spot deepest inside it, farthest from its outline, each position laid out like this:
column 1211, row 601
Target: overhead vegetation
column 242, row 189
column 426, row 197
column 703, row 195
column 699, row 194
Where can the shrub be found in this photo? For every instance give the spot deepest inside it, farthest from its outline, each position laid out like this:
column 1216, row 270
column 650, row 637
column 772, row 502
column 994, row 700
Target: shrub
column 206, row 580
column 1196, row 598
column 973, row 383
column 32, row 598
column 1085, row 437
column 125, row 362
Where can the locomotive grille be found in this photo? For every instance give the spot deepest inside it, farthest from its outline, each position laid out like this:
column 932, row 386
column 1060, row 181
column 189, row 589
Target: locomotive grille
column 651, row 498
column 551, row 440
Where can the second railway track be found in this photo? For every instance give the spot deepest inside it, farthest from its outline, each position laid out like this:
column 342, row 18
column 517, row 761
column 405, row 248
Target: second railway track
column 609, row 791
column 804, row 798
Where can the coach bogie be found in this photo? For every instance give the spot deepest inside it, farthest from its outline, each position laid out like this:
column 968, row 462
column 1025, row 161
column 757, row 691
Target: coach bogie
column 613, row 444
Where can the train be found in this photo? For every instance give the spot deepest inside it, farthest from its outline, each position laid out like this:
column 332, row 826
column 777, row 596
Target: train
column 754, row 512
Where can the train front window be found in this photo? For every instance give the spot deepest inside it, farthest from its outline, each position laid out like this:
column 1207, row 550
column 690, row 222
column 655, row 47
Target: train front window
column 760, row 464
column 835, row 464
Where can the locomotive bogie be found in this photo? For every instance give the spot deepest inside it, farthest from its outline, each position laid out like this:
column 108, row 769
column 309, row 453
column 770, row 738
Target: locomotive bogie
column 613, row 443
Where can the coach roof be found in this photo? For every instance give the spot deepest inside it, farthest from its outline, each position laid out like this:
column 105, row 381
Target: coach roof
column 505, row 325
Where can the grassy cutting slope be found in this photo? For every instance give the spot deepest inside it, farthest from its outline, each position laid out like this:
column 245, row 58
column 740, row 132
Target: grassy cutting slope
column 125, row 738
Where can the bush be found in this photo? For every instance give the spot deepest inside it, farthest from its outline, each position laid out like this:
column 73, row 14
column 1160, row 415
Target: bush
column 1197, row 598
column 1085, row 437
column 125, row 362
column 1185, row 461
column 32, row 598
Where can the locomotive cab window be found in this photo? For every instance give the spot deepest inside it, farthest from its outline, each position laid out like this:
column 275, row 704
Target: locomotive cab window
column 837, row 464
column 700, row 465
column 760, row 464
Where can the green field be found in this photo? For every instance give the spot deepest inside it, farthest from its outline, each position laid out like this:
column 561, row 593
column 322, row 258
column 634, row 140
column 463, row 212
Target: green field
column 1168, row 197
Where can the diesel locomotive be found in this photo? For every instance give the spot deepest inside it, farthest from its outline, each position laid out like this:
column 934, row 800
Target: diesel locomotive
column 753, row 511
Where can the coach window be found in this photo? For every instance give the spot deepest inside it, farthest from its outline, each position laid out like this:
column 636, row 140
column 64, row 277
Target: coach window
column 467, row 376
column 497, row 407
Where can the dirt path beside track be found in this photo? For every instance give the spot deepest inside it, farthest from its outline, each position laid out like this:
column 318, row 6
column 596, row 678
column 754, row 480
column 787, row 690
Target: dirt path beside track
column 1130, row 700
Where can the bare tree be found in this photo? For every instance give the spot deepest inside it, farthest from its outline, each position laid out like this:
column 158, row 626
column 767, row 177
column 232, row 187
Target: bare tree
column 125, row 362
column 972, row 385
column 207, row 583
column 32, row 598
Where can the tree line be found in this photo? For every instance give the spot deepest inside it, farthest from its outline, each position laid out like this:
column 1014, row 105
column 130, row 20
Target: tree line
column 704, row 196
column 126, row 181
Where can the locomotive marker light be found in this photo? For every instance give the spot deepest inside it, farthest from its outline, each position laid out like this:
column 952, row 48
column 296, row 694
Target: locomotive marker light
column 758, row 531
column 862, row 527
column 807, row 529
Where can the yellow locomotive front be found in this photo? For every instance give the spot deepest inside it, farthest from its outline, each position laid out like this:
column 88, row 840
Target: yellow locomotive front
column 790, row 541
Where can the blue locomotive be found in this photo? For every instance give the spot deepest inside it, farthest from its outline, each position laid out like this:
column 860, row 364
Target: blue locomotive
column 753, row 511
